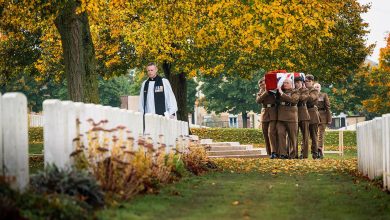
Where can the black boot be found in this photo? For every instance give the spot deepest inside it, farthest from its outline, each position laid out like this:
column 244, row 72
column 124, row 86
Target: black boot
column 320, row 154
column 274, row 155
column 284, row 157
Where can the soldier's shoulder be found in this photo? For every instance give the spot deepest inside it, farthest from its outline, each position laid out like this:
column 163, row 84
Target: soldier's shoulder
column 304, row 90
column 313, row 90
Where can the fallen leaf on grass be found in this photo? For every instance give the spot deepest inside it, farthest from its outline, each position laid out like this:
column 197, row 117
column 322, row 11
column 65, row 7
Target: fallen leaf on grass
column 235, row 203
column 296, row 167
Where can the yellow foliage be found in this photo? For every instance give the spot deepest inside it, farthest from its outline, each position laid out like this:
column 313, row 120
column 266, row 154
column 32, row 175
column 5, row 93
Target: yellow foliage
column 231, row 36
column 379, row 82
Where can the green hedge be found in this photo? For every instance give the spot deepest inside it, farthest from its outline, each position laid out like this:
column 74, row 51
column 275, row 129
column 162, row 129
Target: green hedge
column 332, row 138
column 35, row 135
column 244, row 136
column 255, row 136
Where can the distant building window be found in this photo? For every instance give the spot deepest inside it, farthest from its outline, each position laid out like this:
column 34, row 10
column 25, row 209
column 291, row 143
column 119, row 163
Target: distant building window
column 342, row 122
column 233, row 123
column 339, row 121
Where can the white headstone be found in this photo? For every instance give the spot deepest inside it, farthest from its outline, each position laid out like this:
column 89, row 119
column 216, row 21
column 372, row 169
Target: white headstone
column 80, row 114
column 386, row 150
column 185, row 127
column 1, row 140
column 54, row 130
column 70, row 134
column 15, row 139
column 138, row 122
column 107, row 112
column 378, row 146
column 148, row 124
column 359, row 146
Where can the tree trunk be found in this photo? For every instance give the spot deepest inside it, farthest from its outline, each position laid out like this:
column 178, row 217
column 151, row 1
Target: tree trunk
column 244, row 119
column 79, row 54
column 179, row 87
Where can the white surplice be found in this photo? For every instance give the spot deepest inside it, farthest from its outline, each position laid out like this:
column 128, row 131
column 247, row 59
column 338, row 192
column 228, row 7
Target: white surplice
column 170, row 100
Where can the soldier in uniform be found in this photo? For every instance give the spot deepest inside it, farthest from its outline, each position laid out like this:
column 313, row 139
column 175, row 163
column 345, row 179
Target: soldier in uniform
column 311, row 105
column 303, row 116
column 287, row 123
column 268, row 118
column 325, row 117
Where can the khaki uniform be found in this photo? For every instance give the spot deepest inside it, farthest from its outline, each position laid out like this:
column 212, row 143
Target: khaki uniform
column 311, row 104
column 288, row 122
column 269, row 115
column 303, row 121
column 325, row 117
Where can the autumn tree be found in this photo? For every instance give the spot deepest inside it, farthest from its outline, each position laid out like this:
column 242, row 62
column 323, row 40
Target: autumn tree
column 379, row 83
column 340, row 56
column 18, row 72
column 162, row 32
column 71, row 20
column 266, row 34
column 346, row 96
column 235, row 37
column 366, row 91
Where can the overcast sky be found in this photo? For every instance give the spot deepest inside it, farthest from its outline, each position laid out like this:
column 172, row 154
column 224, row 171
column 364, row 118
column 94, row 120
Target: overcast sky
column 378, row 18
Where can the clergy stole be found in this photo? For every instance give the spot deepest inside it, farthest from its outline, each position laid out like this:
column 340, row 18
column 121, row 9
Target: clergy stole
column 159, row 97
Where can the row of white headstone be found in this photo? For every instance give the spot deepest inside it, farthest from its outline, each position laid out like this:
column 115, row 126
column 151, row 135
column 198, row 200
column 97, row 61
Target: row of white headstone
column 60, row 126
column 373, row 143
column 60, row 130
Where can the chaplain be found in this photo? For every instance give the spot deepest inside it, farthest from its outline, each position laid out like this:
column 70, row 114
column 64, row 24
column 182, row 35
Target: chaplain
column 156, row 95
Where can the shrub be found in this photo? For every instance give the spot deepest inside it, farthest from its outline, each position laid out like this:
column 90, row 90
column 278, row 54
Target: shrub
column 79, row 184
column 195, row 159
column 179, row 169
column 122, row 167
column 53, row 206
column 30, row 205
column 8, row 208
column 162, row 165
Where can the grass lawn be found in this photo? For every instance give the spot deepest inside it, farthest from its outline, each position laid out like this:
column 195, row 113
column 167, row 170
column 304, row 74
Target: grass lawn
column 35, row 161
column 270, row 193
column 35, row 148
column 348, row 153
column 260, row 196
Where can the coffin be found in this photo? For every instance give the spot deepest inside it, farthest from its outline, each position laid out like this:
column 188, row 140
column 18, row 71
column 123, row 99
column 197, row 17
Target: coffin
column 274, row 79
column 271, row 79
